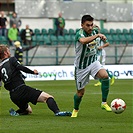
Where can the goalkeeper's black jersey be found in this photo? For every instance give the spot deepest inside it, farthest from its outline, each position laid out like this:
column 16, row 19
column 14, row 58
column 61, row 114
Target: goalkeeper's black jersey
column 10, row 73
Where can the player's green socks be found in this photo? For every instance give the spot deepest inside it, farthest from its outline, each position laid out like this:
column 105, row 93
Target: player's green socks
column 77, row 101
column 105, row 89
column 110, row 75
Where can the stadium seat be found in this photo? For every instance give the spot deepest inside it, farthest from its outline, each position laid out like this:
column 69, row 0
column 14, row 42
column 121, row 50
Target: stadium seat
column 47, row 40
column 61, row 40
column 68, row 39
column 131, row 31
column 104, row 31
column 37, row 31
column 51, row 31
column 44, row 32
column 125, row 31
column 40, row 40
column 116, row 39
column 129, row 39
column 21, row 31
column 123, row 39
column 3, row 40
column 73, row 39
column 118, row 31
column 65, row 31
column 34, row 42
column 54, row 40
column 71, row 32
column 19, row 39
column 110, row 38
column 112, row 31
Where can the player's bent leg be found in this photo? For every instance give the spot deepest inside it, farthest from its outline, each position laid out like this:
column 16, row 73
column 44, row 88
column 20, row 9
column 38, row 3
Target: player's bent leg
column 97, row 84
column 103, row 75
column 111, row 77
column 43, row 97
column 25, row 111
column 29, row 109
column 52, row 105
column 112, row 80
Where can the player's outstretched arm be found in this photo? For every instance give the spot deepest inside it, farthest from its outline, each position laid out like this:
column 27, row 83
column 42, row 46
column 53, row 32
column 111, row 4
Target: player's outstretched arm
column 26, row 69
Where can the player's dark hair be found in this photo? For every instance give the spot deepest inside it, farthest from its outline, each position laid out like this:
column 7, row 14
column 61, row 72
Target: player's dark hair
column 86, row 18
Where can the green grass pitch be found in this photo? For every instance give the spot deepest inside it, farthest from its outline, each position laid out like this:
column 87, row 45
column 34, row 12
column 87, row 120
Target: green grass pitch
column 91, row 118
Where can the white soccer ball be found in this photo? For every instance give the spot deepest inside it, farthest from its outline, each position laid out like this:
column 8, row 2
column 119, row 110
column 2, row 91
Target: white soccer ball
column 118, row 106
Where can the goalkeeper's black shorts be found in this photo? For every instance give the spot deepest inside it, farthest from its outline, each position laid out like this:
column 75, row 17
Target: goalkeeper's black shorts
column 23, row 95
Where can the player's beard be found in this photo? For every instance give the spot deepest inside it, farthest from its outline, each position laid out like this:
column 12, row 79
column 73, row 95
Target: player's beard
column 89, row 31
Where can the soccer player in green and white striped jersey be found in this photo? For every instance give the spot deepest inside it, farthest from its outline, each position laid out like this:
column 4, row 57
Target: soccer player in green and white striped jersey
column 86, row 63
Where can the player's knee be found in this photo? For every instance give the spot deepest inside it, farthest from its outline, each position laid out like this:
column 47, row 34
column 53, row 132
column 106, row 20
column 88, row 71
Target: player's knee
column 29, row 109
column 104, row 75
column 81, row 92
column 44, row 96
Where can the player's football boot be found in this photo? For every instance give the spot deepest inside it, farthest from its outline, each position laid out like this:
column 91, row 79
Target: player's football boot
column 97, row 84
column 13, row 112
column 65, row 113
column 106, row 107
column 112, row 80
column 74, row 113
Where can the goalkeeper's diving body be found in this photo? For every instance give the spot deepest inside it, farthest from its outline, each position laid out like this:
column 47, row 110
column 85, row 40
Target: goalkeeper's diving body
column 20, row 93
column 86, row 63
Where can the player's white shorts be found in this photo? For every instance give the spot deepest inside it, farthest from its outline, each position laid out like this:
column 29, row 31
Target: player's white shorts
column 82, row 76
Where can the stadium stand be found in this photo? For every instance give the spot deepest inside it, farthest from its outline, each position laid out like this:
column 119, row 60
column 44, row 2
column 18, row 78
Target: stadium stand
column 44, row 31
column 37, row 31
column 40, row 40
column 71, row 32
column 47, row 40
column 131, row 31
column 65, row 32
column 61, row 40
column 112, row 31
column 125, row 31
column 47, row 36
column 54, row 40
column 51, row 31
column 68, row 39
column 104, row 31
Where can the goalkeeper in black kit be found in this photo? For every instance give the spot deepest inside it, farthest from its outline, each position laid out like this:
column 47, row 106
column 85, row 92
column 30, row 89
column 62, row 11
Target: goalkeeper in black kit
column 20, row 93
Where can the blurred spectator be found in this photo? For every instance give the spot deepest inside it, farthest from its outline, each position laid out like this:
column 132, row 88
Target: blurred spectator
column 19, row 52
column 12, row 34
column 14, row 19
column 3, row 23
column 60, row 24
column 26, row 36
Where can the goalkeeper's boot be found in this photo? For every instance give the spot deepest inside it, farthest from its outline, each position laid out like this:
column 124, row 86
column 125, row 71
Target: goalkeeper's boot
column 74, row 113
column 13, row 112
column 65, row 113
column 112, row 80
column 106, row 107
column 98, row 83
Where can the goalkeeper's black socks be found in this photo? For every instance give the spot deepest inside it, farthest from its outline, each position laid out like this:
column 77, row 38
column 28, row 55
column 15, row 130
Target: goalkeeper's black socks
column 52, row 105
column 22, row 112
